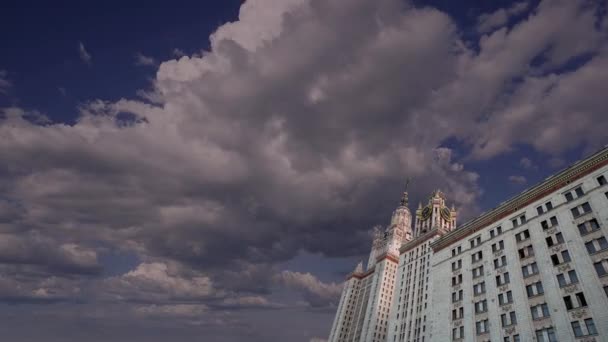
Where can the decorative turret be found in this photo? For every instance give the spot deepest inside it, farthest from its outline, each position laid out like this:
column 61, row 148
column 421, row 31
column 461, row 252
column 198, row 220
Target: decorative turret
column 436, row 215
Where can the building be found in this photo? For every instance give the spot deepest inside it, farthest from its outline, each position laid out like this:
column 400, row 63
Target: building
column 533, row 269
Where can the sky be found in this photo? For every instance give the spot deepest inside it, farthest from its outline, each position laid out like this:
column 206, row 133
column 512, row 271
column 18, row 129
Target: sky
column 210, row 171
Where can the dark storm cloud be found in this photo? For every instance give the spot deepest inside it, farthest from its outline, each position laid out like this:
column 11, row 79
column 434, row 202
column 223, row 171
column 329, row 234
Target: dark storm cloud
column 294, row 133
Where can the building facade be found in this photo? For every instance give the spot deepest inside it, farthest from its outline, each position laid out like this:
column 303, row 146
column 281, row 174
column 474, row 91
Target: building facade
column 533, row 269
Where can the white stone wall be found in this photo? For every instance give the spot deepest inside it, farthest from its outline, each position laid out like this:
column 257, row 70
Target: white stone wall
column 581, row 261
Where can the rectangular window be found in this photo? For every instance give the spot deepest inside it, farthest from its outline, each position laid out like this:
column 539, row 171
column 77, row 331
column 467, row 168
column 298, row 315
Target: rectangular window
column 601, row 180
column 481, row 306
column 540, row 210
column 456, row 296
column 475, row 241
column 588, row 226
column 496, row 231
column 456, row 265
column 481, row 327
column 457, row 280
column 576, row 301
column 546, row 335
column 554, row 239
column 601, row 267
column 567, row 278
column 508, row 319
column 524, row 235
column 479, row 288
column 560, row 258
column 596, row 245
column 478, row 271
column 476, row 256
column 526, row 252
column 549, row 206
column 502, row 279
column 529, row 270
column 505, row 298
column 535, row 289
column 584, row 328
column 500, row 245
column 581, row 210
column 540, row 311
column 500, row 262
column 458, row 333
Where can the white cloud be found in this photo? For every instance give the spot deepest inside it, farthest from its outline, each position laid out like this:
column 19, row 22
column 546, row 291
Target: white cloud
column 517, row 179
column 489, row 22
column 85, row 56
column 143, row 60
column 527, row 163
column 316, row 292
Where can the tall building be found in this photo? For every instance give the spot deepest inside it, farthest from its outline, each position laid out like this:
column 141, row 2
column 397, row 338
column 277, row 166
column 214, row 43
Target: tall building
column 535, row 268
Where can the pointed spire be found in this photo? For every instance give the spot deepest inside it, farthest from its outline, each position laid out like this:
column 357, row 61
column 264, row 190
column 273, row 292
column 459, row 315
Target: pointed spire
column 359, row 268
column 405, row 199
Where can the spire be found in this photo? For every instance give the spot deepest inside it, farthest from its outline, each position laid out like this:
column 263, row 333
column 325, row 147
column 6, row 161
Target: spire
column 404, row 199
column 359, row 268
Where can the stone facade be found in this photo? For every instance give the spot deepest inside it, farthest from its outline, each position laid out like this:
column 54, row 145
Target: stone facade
column 533, row 269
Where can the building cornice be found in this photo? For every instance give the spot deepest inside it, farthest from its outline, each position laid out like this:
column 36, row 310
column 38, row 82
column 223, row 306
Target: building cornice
column 548, row 186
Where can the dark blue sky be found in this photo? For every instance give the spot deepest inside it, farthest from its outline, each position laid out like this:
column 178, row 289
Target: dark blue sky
column 236, row 201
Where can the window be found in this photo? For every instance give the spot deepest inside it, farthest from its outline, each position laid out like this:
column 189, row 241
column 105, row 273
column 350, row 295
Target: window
column 541, row 210
column 475, row 241
column 522, row 236
column 456, row 265
column 560, row 258
column 505, row 298
column 508, row 319
column 530, row 269
column 496, row 231
column 456, row 296
column 456, row 251
column 482, row 327
column 477, row 256
column 578, row 301
column 458, row 333
column 525, row 252
column 565, row 279
column 554, row 239
column 601, row 180
column 479, row 288
column 586, row 328
column 535, row 289
column 457, row 313
column 596, row 245
column 546, row 335
column 500, row 245
column 518, row 221
column 588, row 226
column 502, row 279
column 601, row 267
column 581, row 210
column 575, row 193
column 457, row 280
column 481, row 306
column 540, row 311
column 478, row 271
column 500, row 262
column 551, row 222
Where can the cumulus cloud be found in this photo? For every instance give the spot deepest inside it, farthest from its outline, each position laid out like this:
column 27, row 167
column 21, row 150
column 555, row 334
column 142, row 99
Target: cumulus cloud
column 85, row 56
column 143, row 60
column 315, row 291
column 294, row 131
column 157, row 282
